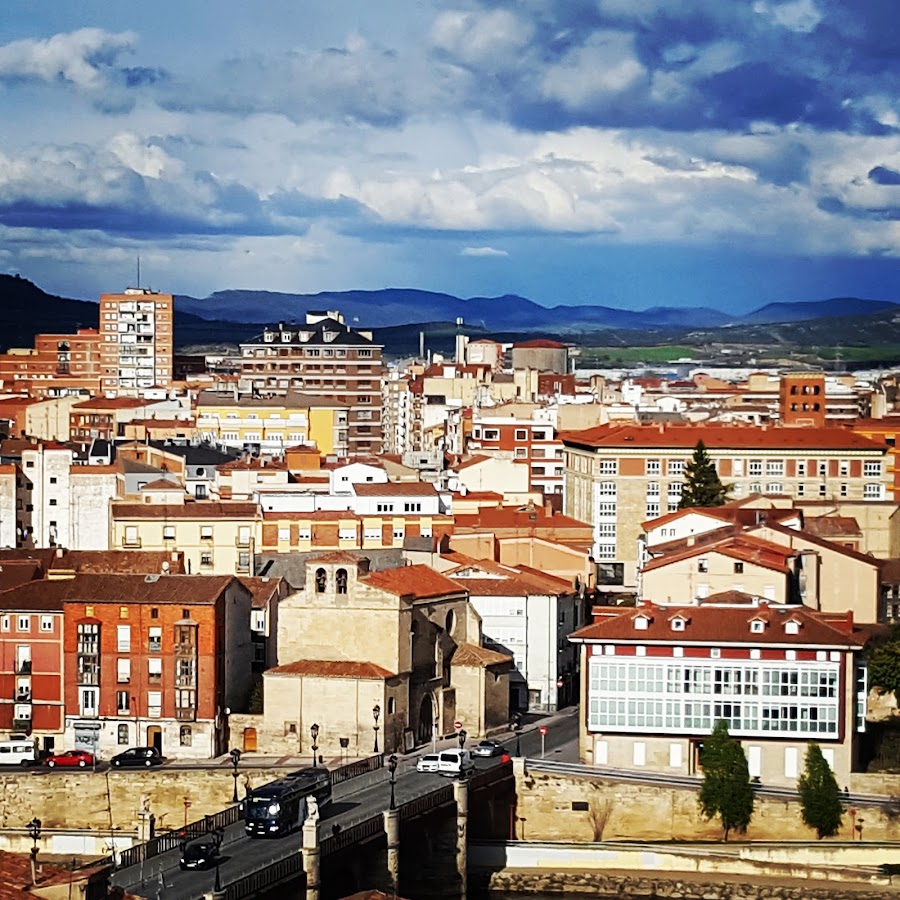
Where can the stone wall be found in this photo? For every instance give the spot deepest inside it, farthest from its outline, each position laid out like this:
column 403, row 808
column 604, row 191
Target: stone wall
column 87, row 799
column 557, row 807
column 620, row 885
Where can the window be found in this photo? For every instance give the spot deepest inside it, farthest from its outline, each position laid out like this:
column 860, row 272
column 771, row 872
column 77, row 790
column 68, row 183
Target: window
column 873, row 491
column 774, row 467
column 284, row 532
column 4, row 623
column 123, row 671
column 738, row 568
column 755, row 467
column 168, row 532
column 675, row 467
column 122, row 736
column 185, row 736
column 384, row 507
column 123, row 708
column 678, row 624
column 757, row 626
column 46, row 623
column 131, row 536
column 843, row 468
column 23, row 623
column 206, row 533
column 801, row 468
column 823, row 469
column 340, row 578
column 609, row 467
column 123, row 638
column 321, row 580
column 412, row 507
column 844, row 489
column 653, row 467
column 702, row 565
column 521, row 434
column 154, row 670
column 154, row 704
column 154, row 642
column 872, row 469
column 206, row 558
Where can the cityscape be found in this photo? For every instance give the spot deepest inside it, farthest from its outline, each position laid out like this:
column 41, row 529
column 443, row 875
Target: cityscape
column 271, row 618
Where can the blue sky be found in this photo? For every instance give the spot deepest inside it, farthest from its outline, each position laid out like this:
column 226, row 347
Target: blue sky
column 633, row 153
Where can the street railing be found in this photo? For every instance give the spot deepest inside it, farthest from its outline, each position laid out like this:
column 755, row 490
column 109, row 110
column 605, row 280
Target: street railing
column 356, row 768
column 252, row 885
column 354, row 834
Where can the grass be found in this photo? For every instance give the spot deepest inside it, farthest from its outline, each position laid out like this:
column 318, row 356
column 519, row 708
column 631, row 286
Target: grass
column 666, row 354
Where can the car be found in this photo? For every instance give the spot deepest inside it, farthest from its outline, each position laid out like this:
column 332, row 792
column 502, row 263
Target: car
column 80, row 758
column 455, row 762
column 487, row 748
column 428, row 763
column 137, row 756
column 199, row 855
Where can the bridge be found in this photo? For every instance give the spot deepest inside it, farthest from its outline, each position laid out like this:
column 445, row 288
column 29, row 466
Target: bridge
column 352, row 848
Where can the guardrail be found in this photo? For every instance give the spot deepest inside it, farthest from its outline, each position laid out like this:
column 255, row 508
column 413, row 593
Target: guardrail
column 426, row 802
column 346, row 837
column 251, row 885
column 356, row 768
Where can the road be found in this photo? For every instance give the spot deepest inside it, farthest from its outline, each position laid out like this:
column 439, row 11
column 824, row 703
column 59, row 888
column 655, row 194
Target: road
column 354, row 801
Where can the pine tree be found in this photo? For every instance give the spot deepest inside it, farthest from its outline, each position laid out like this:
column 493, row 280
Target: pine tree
column 726, row 791
column 820, row 797
column 702, row 485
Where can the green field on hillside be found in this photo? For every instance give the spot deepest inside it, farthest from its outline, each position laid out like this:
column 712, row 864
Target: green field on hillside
column 631, row 355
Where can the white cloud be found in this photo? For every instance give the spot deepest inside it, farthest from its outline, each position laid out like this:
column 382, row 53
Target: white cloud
column 795, row 15
column 493, row 37
column 482, row 251
column 79, row 57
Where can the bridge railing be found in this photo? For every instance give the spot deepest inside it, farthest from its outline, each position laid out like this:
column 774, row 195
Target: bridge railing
column 346, row 837
column 251, row 885
column 426, row 802
column 356, row 768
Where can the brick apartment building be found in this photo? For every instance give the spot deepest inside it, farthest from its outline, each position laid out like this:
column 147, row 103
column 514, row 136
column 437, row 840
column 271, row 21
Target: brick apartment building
column 57, row 365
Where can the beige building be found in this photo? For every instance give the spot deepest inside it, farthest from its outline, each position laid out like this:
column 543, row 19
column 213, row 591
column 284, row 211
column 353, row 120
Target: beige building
column 618, row 476
column 217, row 538
column 405, row 640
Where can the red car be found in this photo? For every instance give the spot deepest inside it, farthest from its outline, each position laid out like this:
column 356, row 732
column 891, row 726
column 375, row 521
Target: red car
column 80, row 758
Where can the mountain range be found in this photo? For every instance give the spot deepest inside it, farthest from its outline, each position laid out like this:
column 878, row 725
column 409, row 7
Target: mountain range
column 397, row 315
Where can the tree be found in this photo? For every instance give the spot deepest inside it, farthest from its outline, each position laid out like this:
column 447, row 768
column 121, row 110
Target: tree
column 884, row 665
column 820, row 797
column 726, row 791
column 702, row 485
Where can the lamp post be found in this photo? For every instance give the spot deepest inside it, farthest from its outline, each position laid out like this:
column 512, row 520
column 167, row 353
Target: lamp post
column 235, row 755
column 345, row 743
column 392, row 768
column 34, row 829
column 314, row 731
column 517, row 728
column 461, row 737
column 218, row 836
column 376, row 712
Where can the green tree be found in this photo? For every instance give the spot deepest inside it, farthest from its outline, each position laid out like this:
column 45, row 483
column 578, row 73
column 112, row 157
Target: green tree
column 702, row 485
column 884, row 665
column 726, row 791
column 820, row 797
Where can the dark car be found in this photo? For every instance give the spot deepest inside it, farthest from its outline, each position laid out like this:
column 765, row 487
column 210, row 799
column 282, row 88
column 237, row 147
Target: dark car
column 487, row 748
column 199, row 855
column 137, row 756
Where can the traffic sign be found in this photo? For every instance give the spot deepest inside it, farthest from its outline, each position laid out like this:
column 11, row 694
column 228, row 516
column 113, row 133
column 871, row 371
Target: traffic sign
column 543, row 729
column 457, row 724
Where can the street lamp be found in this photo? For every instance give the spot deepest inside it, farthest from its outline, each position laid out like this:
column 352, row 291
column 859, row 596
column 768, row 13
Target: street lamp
column 392, row 768
column 345, row 743
column 218, row 836
column 34, row 829
column 235, row 755
column 376, row 712
column 461, row 737
column 314, row 731
column 517, row 728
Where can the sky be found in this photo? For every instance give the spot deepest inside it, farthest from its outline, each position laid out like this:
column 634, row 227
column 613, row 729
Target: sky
column 631, row 153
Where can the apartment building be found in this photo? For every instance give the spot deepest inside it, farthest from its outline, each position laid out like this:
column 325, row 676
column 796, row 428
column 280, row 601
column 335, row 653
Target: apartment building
column 155, row 661
column 136, row 329
column 58, row 365
column 618, row 476
column 526, row 431
column 322, row 358
column 267, row 424
column 657, row 678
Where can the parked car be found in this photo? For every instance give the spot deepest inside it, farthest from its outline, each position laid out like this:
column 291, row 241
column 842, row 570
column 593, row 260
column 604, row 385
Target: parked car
column 137, row 756
column 80, row 758
column 428, row 763
column 199, row 855
column 455, row 762
column 487, row 748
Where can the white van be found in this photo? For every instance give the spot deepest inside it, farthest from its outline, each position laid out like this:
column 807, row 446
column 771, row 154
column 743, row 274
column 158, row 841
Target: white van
column 455, row 762
column 18, row 753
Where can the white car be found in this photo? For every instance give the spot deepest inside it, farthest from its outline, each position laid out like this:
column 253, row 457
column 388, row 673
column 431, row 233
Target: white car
column 455, row 762
column 429, row 763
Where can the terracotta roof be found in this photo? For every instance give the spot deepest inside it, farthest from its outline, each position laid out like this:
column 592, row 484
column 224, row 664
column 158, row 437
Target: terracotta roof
column 262, row 589
column 475, row 460
column 507, row 580
column 797, row 534
column 162, row 484
column 317, row 515
column 332, row 668
column 112, row 403
column 117, row 562
column 719, row 437
column 713, row 624
column 190, row 509
column 478, row 657
column 12, row 574
column 336, row 557
column 396, row 489
column 416, row 582
column 539, row 344
column 832, row 526
column 518, row 517
column 188, row 590
column 15, row 877
column 741, row 547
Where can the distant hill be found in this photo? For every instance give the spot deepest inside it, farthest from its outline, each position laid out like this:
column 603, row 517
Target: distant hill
column 818, row 309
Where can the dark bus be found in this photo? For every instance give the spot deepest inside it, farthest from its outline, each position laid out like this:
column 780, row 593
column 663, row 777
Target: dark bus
column 281, row 806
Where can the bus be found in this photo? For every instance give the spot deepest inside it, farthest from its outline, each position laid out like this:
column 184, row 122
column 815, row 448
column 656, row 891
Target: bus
column 281, row 806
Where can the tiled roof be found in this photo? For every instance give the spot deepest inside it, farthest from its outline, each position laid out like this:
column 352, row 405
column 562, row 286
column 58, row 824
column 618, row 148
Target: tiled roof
column 162, row 484
column 317, row 515
column 189, row 590
column 741, row 547
column 117, row 562
column 111, row 403
column 396, row 489
column 262, row 589
column 539, row 344
column 475, row 460
column 332, row 668
column 713, row 624
column 15, row 877
column 832, row 526
column 417, row 582
column 519, row 517
column 478, row 657
column 191, row 509
column 719, row 437
column 796, row 534
column 16, row 573
column 335, row 557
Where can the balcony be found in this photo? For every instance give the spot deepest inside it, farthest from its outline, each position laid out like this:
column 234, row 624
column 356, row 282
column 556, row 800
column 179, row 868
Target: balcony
column 23, row 667
column 185, row 714
column 186, row 681
column 185, row 649
column 21, row 725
